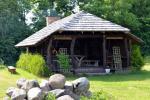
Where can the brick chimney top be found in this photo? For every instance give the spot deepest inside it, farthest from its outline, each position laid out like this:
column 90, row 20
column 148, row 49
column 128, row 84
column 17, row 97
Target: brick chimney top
column 51, row 19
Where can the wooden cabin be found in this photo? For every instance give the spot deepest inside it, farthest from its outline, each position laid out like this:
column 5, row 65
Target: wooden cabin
column 92, row 43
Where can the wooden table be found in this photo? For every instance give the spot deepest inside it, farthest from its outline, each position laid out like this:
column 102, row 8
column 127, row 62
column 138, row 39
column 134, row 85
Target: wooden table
column 91, row 62
column 79, row 58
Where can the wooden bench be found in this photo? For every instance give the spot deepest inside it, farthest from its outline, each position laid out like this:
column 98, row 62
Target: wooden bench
column 12, row 69
column 90, row 63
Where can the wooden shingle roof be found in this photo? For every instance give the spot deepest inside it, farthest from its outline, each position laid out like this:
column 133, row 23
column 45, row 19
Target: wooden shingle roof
column 81, row 21
column 89, row 22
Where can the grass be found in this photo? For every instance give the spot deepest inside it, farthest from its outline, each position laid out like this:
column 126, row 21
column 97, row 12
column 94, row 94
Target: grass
column 7, row 79
column 135, row 85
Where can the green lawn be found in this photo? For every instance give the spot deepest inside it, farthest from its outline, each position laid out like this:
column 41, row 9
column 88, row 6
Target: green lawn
column 132, row 86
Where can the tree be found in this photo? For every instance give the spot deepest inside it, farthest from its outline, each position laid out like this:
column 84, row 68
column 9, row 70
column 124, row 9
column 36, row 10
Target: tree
column 12, row 28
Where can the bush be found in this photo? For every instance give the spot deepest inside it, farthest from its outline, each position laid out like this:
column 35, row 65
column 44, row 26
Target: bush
column 50, row 96
column 33, row 63
column 1, row 62
column 63, row 60
column 2, row 66
column 101, row 95
column 137, row 60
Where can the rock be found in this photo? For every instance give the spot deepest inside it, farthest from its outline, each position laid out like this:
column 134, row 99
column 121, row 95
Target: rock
column 6, row 98
column 21, row 82
column 58, row 92
column 30, row 84
column 44, row 85
column 57, row 81
column 18, row 94
column 69, row 86
column 35, row 94
column 87, row 94
column 73, row 95
column 65, row 97
column 81, row 85
column 10, row 90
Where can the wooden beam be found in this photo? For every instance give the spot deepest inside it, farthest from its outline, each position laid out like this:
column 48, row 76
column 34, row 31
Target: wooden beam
column 27, row 49
column 127, row 51
column 75, row 36
column 130, row 48
column 104, row 50
column 114, row 38
column 72, row 51
column 49, row 54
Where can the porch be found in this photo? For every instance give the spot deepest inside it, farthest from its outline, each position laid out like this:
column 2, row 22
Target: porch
column 90, row 53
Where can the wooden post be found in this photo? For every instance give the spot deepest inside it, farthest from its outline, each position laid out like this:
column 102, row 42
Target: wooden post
column 104, row 50
column 130, row 47
column 72, row 51
column 49, row 54
column 127, row 51
column 27, row 49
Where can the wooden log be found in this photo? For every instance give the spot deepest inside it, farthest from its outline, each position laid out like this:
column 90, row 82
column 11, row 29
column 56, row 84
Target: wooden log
column 69, row 37
column 130, row 48
column 115, row 38
column 72, row 51
column 104, row 50
column 127, row 51
column 49, row 54
column 27, row 49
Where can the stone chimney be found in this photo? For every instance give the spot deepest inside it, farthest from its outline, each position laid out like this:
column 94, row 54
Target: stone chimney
column 51, row 19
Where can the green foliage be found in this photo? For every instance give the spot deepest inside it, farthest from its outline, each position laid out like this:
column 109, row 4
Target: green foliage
column 137, row 60
column 63, row 60
column 12, row 28
column 101, row 95
column 50, row 96
column 1, row 61
column 2, row 66
column 33, row 63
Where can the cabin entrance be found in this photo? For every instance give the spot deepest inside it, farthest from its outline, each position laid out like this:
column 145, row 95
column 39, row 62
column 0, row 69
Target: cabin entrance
column 90, row 52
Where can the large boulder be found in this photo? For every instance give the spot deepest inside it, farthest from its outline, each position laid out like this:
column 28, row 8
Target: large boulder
column 69, row 86
column 65, row 97
column 18, row 94
column 87, row 94
column 58, row 92
column 20, row 82
column 10, row 91
column 57, row 81
column 35, row 94
column 81, row 85
column 73, row 95
column 30, row 84
column 44, row 85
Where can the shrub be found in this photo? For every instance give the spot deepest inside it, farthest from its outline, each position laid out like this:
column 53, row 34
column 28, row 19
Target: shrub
column 24, row 60
column 63, row 60
column 50, row 96
column 137, row 60
column 2, row 66
column 33, row 63
column 1, row 61
column 100, row 95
